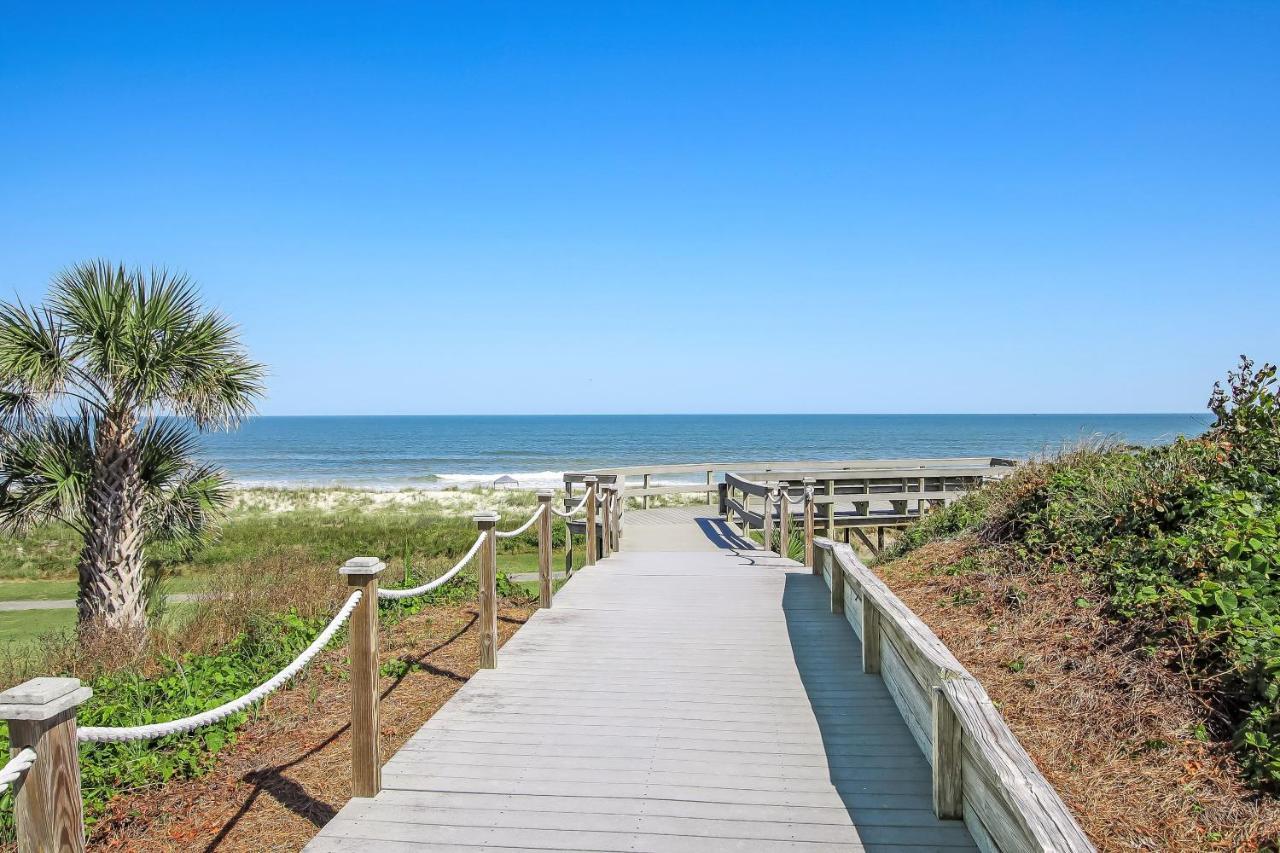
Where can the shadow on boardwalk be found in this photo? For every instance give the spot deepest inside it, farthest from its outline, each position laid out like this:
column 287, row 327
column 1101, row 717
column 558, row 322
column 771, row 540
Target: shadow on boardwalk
column 874, row 763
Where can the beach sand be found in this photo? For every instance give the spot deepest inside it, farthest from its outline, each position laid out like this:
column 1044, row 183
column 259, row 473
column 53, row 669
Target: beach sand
column 462, row 501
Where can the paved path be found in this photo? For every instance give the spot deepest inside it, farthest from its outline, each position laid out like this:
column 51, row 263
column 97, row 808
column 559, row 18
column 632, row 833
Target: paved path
column 692, row 701
column 70, row 603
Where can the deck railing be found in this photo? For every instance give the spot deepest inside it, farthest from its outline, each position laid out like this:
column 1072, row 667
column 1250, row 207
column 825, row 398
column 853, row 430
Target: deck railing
column 44, row 768
column 641, row 482
column 980, row 773
column 871, row 496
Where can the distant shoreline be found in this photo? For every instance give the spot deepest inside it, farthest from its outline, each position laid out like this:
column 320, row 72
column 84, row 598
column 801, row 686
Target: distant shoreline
column 432, row 453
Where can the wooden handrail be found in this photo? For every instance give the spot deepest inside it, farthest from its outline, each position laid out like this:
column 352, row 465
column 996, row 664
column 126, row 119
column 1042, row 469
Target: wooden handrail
column 792, row 470
column 756, row 467
column 981, row 774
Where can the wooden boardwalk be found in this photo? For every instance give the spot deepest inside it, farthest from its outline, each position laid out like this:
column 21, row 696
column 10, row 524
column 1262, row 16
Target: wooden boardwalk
column 688, row 694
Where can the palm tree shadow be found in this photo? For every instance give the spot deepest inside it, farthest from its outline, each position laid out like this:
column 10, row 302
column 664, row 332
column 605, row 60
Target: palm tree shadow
column 878, row 771
column 295, row 797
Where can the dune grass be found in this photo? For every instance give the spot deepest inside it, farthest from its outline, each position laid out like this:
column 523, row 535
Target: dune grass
column 310, row 532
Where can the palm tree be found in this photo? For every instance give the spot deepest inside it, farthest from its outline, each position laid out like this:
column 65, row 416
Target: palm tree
column 102, row 391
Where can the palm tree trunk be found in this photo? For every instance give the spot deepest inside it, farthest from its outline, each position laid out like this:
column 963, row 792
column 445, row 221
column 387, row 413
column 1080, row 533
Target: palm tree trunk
column 110, row 566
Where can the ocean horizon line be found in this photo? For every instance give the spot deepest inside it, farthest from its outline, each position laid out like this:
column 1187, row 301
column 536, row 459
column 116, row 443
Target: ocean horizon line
column 1081, row 413
column 435, row 451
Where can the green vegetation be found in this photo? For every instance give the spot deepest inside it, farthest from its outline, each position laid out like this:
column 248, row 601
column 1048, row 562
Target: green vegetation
column 1181, row 543
column 101, row 390
column 274, row 581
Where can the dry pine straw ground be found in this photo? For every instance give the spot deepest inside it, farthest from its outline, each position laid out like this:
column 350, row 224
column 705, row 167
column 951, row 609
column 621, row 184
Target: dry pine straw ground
column 1108, row 725
column 290, row 770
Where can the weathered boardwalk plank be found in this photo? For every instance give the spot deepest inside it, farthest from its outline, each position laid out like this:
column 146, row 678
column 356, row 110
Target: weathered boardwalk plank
column 683, row 695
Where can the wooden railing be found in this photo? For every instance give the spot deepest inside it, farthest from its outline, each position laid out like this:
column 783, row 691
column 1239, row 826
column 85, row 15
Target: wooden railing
column 877, row 495
column 638, row 481
column 981, row 774
column 597, row 545
column 41, row 713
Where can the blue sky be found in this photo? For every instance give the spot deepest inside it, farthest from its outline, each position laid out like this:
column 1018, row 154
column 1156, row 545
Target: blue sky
column 462, row 207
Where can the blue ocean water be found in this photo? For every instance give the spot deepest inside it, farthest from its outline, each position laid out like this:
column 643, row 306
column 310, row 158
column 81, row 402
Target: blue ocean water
column 394, row 452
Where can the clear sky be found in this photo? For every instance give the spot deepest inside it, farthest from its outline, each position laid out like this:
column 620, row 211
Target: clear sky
column 477, row 207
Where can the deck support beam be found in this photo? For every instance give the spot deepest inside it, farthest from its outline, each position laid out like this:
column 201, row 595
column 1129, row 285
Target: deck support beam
column 808, row 526
column 544, row 548
column 870, row 634
column 592, row 496
column 48, row 806
column 486, row 522
column 948, row 759
column 366, row 764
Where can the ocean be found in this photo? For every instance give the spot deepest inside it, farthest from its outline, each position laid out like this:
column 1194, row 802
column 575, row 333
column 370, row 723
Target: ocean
column 395, row 452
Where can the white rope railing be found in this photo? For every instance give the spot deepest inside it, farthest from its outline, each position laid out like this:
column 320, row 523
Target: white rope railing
column 570, row 512
column 103, row 734
column 507, row 534
column 17, row 765
column 438, row 582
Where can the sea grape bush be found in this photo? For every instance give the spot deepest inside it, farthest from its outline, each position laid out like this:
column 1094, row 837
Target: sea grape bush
column 1181, row 539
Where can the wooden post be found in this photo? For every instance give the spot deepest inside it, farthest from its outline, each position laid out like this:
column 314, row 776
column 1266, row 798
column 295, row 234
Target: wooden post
column 870, row 634
column 606, row 523
column 619, row 505
column 837, row 580
column 711, row 480
column 836, row 573
column 808, row 524
column 592, row 494
column 784, row 520
column 768, row 521
column 366, row 768
column 948, row 756
column 47, row 808
column 619, row 497
column 544, row 548
column 831, row 511
column 486, row 522
column 879, row 540
column 646, row 491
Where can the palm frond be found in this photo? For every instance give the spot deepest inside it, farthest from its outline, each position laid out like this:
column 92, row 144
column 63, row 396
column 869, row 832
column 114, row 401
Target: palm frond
column 46, row 467
column 18, row 408
column 34, row 358
column 189, row 510
column 165, row 449
column 94, row 300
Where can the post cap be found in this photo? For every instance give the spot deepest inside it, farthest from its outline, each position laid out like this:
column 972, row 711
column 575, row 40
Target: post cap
column 362, row 566
column 42, row 698
column 485, row 516
column 546, row 494
column 590, row 478
column 808, row 481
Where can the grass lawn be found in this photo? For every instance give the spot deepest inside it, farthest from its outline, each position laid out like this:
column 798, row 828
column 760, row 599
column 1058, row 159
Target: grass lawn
column 62, row 590
column 23, row 626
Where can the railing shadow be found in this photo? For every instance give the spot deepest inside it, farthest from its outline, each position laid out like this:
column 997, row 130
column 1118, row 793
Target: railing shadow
column 293, row 795
column 871, row 758
column 722, row 534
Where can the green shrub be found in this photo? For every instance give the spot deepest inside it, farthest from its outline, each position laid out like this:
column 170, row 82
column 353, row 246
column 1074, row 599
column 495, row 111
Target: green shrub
column 1182, row 540
column 176, row 687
